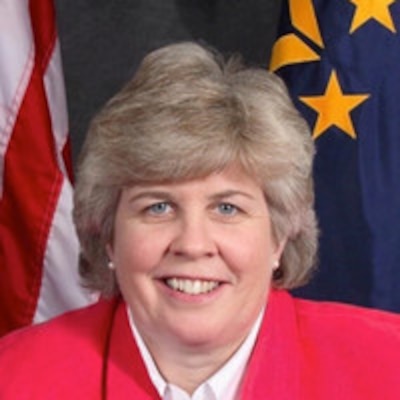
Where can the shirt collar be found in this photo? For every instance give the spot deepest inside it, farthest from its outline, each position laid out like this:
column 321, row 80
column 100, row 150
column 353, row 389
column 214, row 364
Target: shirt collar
column 224, row 384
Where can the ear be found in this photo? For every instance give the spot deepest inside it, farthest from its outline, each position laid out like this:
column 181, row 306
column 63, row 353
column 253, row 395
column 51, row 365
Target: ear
column 109, row 251
column 278, row 252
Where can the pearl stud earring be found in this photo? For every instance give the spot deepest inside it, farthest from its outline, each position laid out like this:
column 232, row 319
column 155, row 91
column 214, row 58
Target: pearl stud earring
column 111, row 265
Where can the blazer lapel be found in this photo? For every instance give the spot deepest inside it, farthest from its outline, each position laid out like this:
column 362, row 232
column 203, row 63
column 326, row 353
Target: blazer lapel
column 125, row 373
column 273, row 371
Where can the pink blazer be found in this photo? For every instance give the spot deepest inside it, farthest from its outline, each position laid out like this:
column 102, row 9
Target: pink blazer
column 305, row 351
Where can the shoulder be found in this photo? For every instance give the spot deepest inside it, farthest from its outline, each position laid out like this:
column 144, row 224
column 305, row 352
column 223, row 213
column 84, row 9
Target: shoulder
column 356, row 346
column 323, row 325
column 77, row 325
column 342, row 319
column 45, row 354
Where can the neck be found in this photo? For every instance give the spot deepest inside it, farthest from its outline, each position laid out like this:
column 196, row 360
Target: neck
column 189, row 367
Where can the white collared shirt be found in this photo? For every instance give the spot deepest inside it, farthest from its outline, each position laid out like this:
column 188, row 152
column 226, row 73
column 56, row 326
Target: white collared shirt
column 223, row 385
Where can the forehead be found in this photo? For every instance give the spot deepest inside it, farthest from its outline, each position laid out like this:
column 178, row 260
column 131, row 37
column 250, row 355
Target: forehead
column 229, row 181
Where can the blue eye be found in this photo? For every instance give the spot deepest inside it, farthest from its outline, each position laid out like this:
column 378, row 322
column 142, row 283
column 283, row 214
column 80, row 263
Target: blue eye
column 227, row 209
column 159, row 208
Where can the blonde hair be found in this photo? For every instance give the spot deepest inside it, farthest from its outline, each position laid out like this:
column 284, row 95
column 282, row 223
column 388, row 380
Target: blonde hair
column 185, row 114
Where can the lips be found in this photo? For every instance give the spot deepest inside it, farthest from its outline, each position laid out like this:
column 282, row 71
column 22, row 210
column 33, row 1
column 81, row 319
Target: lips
column 191, row 286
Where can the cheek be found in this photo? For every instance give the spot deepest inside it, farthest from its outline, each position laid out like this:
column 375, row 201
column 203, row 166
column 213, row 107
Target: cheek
column 136, row 249
column 250, row 250
column 126, row 245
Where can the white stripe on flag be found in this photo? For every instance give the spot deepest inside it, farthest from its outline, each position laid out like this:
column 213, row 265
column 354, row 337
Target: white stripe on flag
column 61, row 290
column 56, row 100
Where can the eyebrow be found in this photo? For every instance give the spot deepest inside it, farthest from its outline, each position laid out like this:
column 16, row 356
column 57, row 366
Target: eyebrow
column 161, row 194
column 231, row 193
column 154, row 194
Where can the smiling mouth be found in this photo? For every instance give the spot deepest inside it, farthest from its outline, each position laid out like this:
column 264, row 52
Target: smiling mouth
column 191, row 286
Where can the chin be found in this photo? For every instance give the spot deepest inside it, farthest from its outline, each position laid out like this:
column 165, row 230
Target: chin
column 198, row 336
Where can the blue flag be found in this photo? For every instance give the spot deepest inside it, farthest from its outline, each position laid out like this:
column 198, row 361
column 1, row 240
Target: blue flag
column 341, row 62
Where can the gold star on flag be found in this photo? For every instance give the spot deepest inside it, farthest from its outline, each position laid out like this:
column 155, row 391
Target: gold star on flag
column 333, row 108
column 372, row 9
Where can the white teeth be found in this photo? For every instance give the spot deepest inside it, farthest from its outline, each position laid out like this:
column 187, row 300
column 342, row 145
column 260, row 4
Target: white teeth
column 190, row 286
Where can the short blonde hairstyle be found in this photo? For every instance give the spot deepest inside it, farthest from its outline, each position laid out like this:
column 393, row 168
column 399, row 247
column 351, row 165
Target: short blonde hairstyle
column 187, row 113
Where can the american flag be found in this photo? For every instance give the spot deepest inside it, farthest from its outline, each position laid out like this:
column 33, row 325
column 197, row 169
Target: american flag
column 38, row 245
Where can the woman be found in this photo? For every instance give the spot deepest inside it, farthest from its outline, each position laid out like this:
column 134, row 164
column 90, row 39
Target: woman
column 194, row 209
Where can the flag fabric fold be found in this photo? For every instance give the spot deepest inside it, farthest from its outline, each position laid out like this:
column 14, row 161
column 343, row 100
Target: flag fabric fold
column 348, row 92
column 38, row 244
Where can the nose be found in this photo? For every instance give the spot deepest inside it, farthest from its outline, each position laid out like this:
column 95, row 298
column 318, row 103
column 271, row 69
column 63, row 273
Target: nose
column 193, row 238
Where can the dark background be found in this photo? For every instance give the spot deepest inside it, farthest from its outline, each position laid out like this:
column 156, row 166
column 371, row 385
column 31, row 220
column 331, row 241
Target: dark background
column 103, row 41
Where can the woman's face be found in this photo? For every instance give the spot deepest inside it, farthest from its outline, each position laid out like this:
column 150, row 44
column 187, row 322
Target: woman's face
column 194, row 259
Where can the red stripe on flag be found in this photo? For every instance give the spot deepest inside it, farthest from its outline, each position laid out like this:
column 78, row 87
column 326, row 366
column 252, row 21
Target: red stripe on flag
column 67, row 157
column 32, row 182
column 44, row 30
